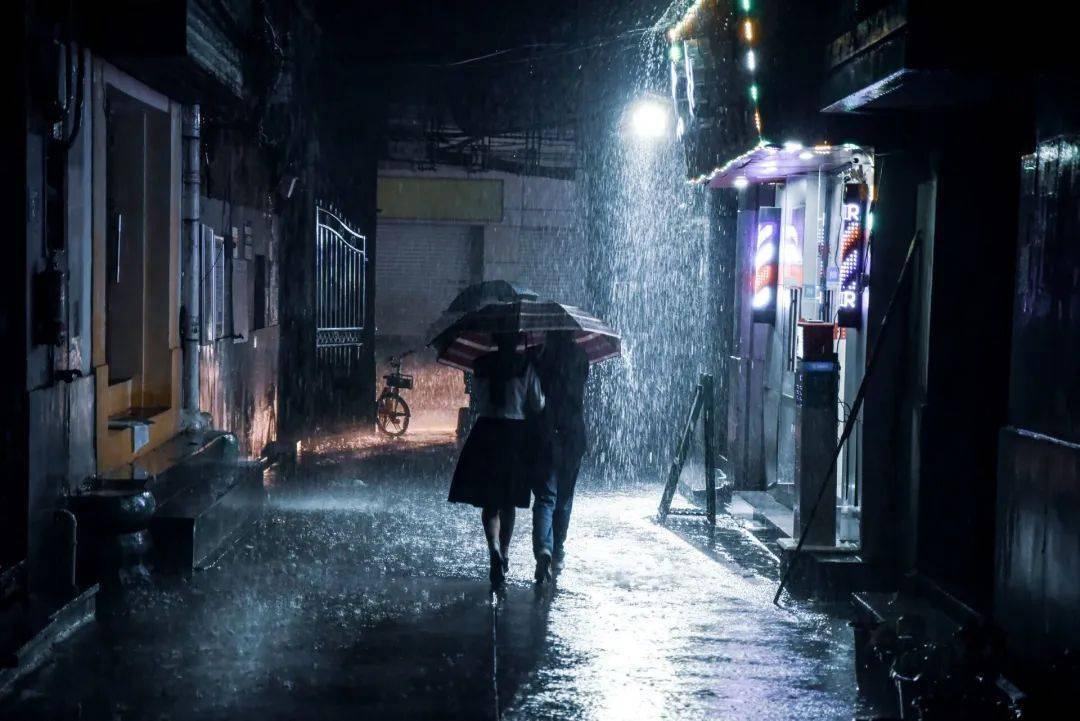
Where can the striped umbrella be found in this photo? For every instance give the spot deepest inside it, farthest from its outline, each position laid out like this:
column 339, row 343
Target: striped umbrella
column 477, row 296
column 471, row 337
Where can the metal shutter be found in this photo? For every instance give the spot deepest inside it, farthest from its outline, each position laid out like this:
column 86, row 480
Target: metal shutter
column 419, row 269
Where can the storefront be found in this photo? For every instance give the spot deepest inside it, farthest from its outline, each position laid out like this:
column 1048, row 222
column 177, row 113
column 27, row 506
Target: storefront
column 748, row 116
column 803, row 226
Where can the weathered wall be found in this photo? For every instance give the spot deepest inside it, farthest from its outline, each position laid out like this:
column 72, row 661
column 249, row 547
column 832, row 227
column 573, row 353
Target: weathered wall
column 16, row 206
column 238, row 376
column 1037, row 587
column 968, row 364
column 55, row 410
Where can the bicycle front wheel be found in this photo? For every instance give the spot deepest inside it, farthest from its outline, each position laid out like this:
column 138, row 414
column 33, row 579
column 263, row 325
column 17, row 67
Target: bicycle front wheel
column 392, row 415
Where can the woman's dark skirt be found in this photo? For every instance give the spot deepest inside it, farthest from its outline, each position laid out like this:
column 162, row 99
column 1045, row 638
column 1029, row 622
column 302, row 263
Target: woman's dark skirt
column 493, row 470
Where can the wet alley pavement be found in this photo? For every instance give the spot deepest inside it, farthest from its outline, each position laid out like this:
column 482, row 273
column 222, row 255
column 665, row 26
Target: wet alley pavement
column 361, row 594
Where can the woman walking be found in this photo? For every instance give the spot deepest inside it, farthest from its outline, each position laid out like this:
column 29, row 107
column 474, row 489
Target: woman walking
column 493, row 470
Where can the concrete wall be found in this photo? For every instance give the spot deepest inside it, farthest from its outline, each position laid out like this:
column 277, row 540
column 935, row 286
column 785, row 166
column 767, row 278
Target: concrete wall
column 421, row 265
column 238, row 377
column 56, row 385
column 1037, row 578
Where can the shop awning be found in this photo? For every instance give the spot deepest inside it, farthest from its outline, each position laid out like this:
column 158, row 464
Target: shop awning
column 768, row 162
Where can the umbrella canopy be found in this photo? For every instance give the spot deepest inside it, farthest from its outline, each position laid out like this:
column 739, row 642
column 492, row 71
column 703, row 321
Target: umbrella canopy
column 490, row 291
column 471, row 336
column 476, row 296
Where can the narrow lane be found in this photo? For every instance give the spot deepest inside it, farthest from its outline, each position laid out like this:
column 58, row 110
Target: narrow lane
column 362, row 595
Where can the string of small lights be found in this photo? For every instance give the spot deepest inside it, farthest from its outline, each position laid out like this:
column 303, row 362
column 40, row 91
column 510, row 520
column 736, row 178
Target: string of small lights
column 691, row 24
column 748, row 35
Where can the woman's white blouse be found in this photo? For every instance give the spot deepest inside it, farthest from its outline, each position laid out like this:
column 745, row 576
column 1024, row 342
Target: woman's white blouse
column 523, row 395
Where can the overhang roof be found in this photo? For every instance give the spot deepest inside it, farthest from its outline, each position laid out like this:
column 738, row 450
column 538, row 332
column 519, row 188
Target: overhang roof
column 769, row 162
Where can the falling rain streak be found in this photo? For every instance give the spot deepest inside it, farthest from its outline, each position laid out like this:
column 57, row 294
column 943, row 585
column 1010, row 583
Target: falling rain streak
column 648, row 235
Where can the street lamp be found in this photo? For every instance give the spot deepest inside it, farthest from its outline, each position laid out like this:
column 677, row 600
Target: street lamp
column 649, row 119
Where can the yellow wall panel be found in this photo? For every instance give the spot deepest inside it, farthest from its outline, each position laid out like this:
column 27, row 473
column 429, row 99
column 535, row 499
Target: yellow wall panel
column 440, row 199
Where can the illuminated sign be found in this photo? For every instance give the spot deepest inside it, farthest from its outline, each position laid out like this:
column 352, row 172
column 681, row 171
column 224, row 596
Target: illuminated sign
column 791, row 252
column 766, row 265
column 852, row 255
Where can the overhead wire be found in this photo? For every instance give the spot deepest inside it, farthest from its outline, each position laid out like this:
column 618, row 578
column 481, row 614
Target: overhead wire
column 633, row 33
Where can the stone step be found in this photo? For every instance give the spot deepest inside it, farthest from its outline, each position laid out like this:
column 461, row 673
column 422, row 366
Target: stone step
column 30, row 630
column 827, row 573
column 210, row 504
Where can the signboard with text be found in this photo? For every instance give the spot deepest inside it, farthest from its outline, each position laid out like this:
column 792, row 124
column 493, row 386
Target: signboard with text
column 852, row 260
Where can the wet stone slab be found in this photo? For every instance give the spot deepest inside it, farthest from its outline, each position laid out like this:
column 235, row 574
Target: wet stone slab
column 362, row 595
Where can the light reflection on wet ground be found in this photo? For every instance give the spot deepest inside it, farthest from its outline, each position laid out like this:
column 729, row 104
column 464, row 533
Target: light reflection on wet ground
column 362, row 595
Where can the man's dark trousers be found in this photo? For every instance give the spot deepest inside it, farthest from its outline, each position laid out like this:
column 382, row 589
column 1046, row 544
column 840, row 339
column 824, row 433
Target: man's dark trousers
column 554, row 489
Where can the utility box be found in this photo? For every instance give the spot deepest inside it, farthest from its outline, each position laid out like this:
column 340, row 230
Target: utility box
column 816, row 389
column 814, row 340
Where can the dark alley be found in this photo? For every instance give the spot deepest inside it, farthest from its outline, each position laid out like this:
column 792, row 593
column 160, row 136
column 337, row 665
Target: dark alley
column 462, row 360
column 357, row 596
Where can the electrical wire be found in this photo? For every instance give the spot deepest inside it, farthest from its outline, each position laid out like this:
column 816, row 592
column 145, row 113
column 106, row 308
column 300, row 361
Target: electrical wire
column 625, row 35
column 497, row 53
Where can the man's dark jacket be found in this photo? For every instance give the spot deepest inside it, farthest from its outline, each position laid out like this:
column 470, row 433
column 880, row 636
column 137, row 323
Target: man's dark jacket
column 563, row 369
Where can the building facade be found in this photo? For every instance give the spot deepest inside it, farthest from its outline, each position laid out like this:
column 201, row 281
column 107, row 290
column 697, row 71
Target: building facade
column 166, row 180
column 964, row 157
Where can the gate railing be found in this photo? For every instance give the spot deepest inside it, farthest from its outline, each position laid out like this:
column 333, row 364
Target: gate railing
column 340, row 271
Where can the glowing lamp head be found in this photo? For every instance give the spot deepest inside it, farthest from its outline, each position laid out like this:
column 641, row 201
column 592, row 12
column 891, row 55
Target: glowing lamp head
column 741, row 183
column 649, row 119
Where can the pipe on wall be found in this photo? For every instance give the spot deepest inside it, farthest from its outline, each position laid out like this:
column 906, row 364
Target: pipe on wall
column 190, row 319
column 70, row 546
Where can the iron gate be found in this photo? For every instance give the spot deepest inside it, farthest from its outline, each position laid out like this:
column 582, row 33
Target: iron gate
column 340, row 271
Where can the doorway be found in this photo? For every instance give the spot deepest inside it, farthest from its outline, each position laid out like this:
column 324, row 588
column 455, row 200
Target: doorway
column 137, row 291
column 136, row 354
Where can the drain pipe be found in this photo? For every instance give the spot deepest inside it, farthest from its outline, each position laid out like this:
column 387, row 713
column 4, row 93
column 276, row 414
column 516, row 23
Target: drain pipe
column 71, row 546
column 190, row 317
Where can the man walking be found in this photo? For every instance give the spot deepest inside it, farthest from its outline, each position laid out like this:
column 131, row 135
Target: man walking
column 563, row 368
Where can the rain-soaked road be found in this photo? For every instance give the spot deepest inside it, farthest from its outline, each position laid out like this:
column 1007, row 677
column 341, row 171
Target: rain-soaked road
column 362, row 595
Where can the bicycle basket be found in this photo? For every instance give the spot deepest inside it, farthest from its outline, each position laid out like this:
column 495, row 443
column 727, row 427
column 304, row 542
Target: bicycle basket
column 399, row 380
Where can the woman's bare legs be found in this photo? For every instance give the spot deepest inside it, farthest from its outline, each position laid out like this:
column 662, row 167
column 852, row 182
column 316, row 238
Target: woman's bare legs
column 492, row 528
column 498, row 530
column 493, row 533
column 507, row 517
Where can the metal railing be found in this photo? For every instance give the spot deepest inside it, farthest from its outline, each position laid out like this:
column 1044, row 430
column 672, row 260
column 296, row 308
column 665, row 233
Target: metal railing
column 340, row 270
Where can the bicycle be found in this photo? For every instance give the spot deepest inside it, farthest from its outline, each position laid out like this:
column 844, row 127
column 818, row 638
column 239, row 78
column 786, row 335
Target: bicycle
column 391, row 411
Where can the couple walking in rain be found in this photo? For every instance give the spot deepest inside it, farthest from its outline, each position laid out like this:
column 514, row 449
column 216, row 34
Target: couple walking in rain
column 530, row 360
